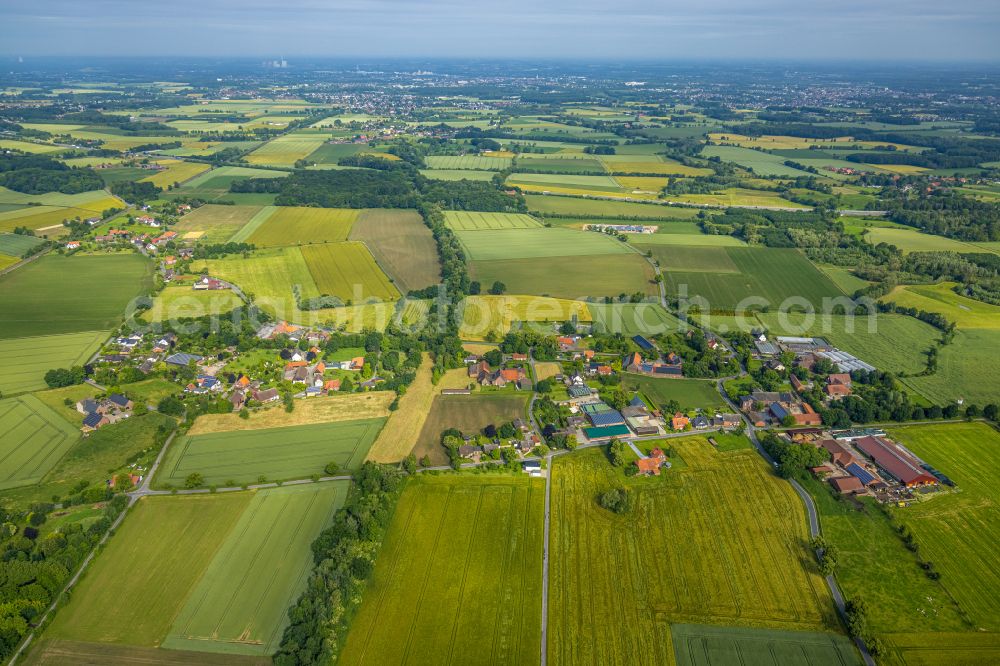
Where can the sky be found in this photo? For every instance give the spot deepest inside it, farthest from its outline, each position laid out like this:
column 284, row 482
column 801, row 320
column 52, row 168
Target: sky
column 923, row 30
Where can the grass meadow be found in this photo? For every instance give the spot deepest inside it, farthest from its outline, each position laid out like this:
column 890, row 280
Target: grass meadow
column 267, row 276
column 58, row 294
column 537, row 243
column 403, row 246
column 242, row 457
column 33, row 438
column 764, row 164
column 965, row 312
column 690, row 393
column 240, row 603
column 967, row 369
column 17, row 244
column 911, row 240
column 19, row 368
column 458, row 578
column 180, row 302
column 593, row 276
column 468, row 413
column 632, row 318
column 722, row 541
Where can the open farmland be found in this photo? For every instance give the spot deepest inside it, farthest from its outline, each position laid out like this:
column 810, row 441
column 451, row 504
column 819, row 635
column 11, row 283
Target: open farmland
column 966, row 370
column 460, row 220
column 348, row 271
column 327, row 409
column 576, row 207
column 569, row 276
column 458, row 578
column 214, row 185
column 17, row 244
column 739, row 196
column 469, row 414
column 479, row 315
column 55, row 652
column 212, row 223
column 292, row 225
column 267, row 276
column 763, row 164
column 32, row 440
column 697, row 258
column 285, row 150
column 175, row 538
column 734, row 515
column 911, row 240
column 468, row 162
column 763, row 273
column 457, row 174
column 176, row 171
column 669, row 238
column 941, row 298
column 180, row 302
column 57, row 294
column 19, row 370
column 532, row 163
column 403, row 246
column 537, row 243
column 703, row 645
column 240, row 603
column 242, row 457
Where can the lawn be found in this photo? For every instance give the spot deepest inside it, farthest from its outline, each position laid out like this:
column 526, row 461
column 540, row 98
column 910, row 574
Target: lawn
column 240, row 604
column 474, row 221
column 689, row 393
column 175, row 539
column 348, row 270
column 212, row 223
column 911, row 240
column 242, row 457
column 965, row 312
column 479, row 315
column 703, row 645
column 33, row 438
column 469, row 414
column 569, row 277
column 57, row 294
column 179, row 302
column 293, row 225
column 766, row 275
column 576, row 207
column 20, row 370
column 459, row 578
column 537, row 243
column 722, row 541
column 633, row 318
column 403, row 246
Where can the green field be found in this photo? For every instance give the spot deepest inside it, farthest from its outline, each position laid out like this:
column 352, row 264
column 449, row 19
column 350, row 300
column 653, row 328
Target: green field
column 286, row 149
column 722, row 541
column 894, row 343
column 537, row 243
column 764, row 273
column 403, row 246
column 941, row 298
column 460, row 220
column 966, row 369
column 292, row 225
column 295, row 452
column 33, row 438
column 213, row 223
column 911, row 240
column 348, row 271
column 180, row 302
column 545, row 181
column 649, row 241
column 569, row 277
column 57, row 294
column 468, row 162
column 697, row 258
column 20, row 370
column 459, row 576
column 267, row 276
column 240, row 604
column 764, row 164
column 457, row 174
column 633, row 318
column 470, row 414
column 690, row 393
column 702, row 645
column 547, row 164
column 577, row 207
column 17, row 244
column 214, row 185
column 175, row 539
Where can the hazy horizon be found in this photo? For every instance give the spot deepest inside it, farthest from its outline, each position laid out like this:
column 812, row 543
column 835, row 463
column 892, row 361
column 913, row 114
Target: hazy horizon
column 917, row 31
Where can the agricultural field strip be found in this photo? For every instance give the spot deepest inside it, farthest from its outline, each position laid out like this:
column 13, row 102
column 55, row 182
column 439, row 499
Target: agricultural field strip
column 32, row 440
column 19, row 370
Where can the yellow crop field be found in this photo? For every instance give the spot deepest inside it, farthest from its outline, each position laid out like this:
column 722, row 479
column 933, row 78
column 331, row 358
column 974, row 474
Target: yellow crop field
column 484, row 314
column 643, row 183
column 177, row 171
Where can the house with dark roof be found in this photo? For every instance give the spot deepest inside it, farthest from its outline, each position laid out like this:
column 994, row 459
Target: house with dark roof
column 94, row 421
column 120, row 401
column 182, row 359
column 268, row 395
column 86, row 406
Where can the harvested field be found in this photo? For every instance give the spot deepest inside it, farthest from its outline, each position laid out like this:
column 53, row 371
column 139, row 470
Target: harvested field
column 329, row 409
column 402, row 245
column 214, row 223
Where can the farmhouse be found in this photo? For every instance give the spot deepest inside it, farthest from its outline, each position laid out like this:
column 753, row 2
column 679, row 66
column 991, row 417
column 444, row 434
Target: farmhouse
column 269, row 395
column 651, row 466
column 847, row 485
